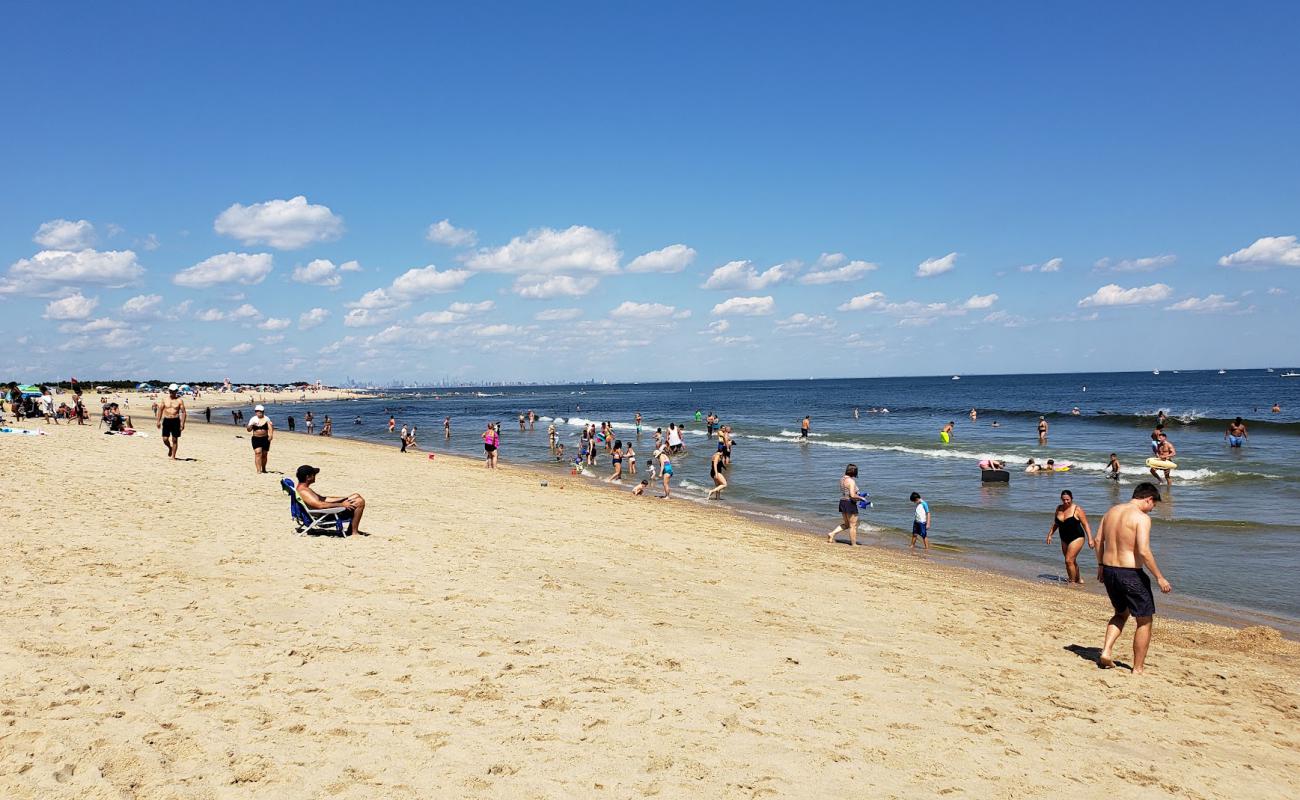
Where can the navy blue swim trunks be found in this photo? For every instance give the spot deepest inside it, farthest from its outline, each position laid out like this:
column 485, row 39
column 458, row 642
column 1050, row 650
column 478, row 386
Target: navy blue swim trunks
column 919, row 529
column 1129, row 590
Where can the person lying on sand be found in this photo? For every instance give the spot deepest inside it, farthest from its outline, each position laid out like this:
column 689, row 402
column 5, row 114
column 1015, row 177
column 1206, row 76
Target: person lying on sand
column 353, row 502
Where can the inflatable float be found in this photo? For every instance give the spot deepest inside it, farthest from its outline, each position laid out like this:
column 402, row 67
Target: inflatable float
column 1160, row 463
column 995, row 476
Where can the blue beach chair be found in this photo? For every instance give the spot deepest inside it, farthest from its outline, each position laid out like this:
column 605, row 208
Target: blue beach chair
column 314, row 520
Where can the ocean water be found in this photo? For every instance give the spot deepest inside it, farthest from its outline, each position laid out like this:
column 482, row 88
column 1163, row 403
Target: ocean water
column 1225, row 533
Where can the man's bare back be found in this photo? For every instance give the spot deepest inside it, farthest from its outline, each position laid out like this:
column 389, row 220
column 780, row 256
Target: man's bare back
column 1123, row 550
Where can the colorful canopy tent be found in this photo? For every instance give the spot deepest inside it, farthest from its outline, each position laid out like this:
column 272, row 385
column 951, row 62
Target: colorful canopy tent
column 30, row 391
column 143, row 387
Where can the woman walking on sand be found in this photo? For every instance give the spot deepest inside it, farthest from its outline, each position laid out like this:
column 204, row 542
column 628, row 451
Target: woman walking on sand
column 1072, row 522
column 849, row 497
column 491, row 441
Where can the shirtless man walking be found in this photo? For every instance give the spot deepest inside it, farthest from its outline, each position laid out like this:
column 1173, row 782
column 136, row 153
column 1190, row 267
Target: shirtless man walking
column 1123, row 549
column 171, row 420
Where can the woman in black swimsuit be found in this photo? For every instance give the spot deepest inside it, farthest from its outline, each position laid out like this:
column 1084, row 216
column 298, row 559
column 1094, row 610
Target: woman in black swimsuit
column 1072, row 522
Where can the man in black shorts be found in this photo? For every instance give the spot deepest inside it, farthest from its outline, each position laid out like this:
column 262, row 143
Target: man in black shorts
column 1123, row 549
column 171, row 419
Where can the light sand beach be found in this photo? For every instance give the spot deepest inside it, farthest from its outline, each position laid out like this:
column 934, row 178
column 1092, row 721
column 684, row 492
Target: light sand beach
column 166, row 636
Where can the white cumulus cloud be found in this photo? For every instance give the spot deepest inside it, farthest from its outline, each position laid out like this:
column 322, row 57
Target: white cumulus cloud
column 1145, row 264
column 979, row 301
column 741, row 275
column 1265, row 252
column 630, row 310
column 443, row 232
column 1204, row 305
column 745, row 306
column 274, row 324
column 554, row 286
column 244, row 268
column 673, row 258
column 50, row 268
column 63, row 234
column 836, row 271
column 1050, row 265
column 805, row 322
column 557, row 314
column 544, row 251
column 871, row 301
column 311, row 318
column 936, row 266
column 282, row 224
column 142, row 305
column 481, row 307
column 74, row 306
column 1113, row 294
column 241, row 348
column 416, row 283
column 323, row 272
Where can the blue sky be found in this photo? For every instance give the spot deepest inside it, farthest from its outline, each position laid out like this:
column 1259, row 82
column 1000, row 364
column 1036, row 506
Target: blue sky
column 256, row 192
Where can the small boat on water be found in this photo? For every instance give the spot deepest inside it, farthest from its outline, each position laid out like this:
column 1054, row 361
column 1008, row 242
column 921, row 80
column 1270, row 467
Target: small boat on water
column 1223, row 372
column 956, row 377
column 1155, row 372
column 1291, row 374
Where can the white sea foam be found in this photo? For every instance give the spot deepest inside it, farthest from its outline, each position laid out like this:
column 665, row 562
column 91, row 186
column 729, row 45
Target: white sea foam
column 1013, row 461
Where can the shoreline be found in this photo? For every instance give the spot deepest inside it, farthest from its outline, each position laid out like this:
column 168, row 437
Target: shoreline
column 1187, row 608
column 167, row 635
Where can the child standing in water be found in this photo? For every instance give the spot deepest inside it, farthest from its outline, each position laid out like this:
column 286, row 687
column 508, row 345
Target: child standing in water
column 1113, row 467
column 921, row 521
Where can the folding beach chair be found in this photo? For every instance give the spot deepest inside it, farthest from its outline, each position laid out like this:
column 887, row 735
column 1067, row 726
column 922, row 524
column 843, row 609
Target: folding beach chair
column 314, row 520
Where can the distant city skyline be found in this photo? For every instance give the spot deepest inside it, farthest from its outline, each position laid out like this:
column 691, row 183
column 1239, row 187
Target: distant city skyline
column 523, row 194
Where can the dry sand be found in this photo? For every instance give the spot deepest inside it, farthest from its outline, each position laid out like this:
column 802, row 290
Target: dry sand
column 165, row 636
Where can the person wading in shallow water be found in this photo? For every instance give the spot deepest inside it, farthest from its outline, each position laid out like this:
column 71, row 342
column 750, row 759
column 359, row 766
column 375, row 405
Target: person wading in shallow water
column 1072, row 522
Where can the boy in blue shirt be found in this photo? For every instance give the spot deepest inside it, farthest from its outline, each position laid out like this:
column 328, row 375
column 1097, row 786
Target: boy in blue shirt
column 921, row 522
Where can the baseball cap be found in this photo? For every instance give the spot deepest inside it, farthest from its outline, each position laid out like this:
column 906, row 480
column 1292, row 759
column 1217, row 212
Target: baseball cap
column 174, row 387
column 307, row 471
column 259, row 408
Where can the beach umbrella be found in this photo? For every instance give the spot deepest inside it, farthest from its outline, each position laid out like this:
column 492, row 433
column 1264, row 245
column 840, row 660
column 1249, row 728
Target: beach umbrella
column 143, row 387
column 29, row 391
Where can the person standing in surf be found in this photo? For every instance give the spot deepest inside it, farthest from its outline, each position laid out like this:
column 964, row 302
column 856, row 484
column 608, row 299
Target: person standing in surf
column 803, row 428
column 1165, row 451
column 491, row 446
column 850, row 496
column 945, row 434
column 1236, row 435
column 665, row 469
column 716, row 468
column 1072, row 522
column 1042, row 430
column 920, row 521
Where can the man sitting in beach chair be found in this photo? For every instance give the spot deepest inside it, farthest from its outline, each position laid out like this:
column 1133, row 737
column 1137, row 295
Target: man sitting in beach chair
column 321, row 512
